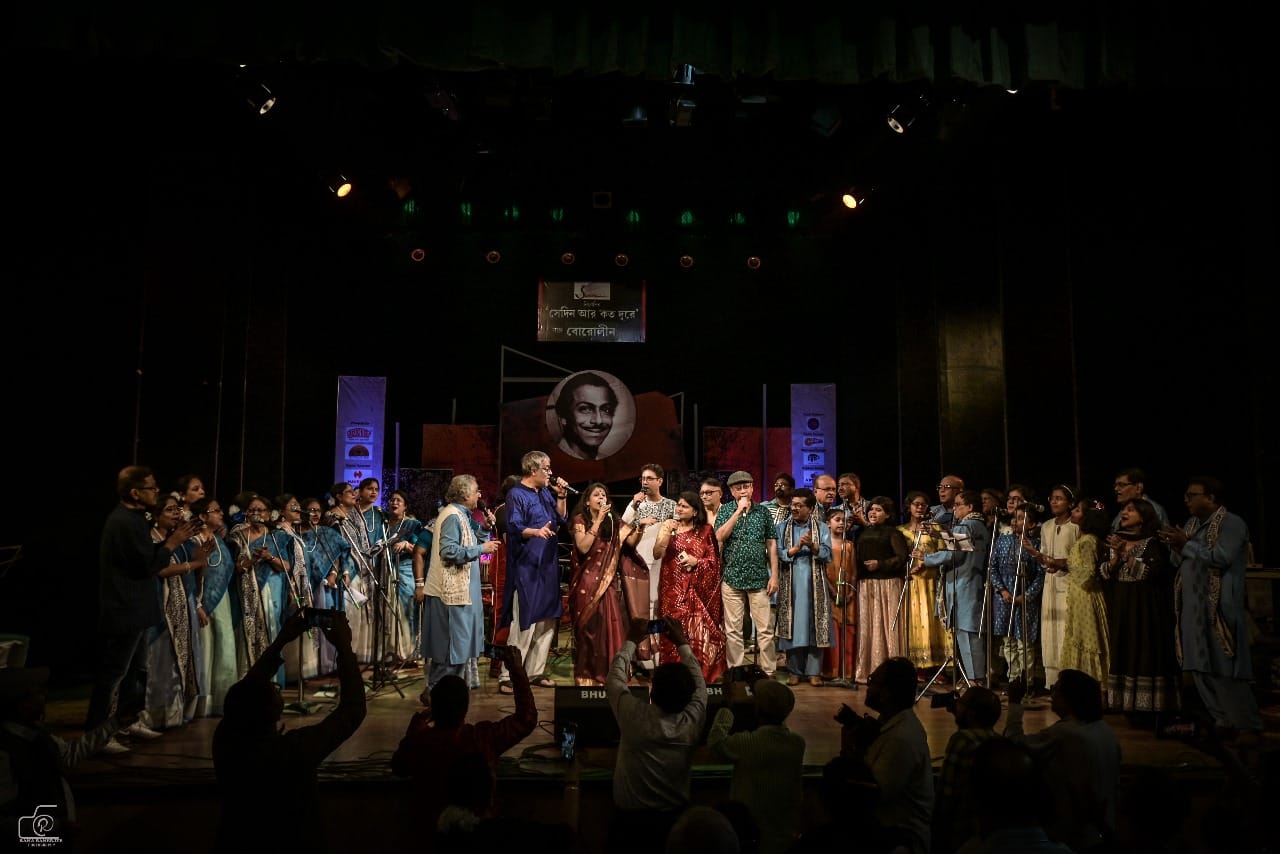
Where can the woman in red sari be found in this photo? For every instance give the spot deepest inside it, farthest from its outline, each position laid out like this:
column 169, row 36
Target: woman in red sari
column 596, row 606
column 689, row 585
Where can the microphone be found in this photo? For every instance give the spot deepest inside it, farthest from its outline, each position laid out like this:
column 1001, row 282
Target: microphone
column 563, row 484
column 1031, row 505
column 480, row 505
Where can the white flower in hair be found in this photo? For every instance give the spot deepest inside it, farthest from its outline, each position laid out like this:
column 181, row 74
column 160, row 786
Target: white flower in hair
column 232, row 511
column 275, row 514
column 186, row 514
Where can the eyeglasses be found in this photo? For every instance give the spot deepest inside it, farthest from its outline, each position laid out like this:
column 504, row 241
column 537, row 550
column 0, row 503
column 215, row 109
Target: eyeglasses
column 947, row 486
column 824, row 489
column 213, row 510
column 314, row 511
column 1190, row 495
column 149, row 488
column 924, row 504
column 547, row 469
column 708, row 491
column 294, row 509
column 647, row 477
column 1121, row 484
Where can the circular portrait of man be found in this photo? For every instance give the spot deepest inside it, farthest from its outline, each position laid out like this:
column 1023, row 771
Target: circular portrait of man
column 590, row 415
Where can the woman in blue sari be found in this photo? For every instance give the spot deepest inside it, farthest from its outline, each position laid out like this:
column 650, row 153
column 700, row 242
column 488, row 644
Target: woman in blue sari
column 259, row 583
column 403, row 530
column 328, row 562
column 216, row 658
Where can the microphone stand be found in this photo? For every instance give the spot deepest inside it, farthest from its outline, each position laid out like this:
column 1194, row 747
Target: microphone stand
column 381, row 559
column 953, row 656
column 988, row 601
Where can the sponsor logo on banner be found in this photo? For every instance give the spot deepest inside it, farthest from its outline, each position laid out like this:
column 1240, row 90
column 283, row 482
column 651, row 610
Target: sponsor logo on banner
column 354, row 476
column 813, row 423
column 815, row 441
column 814, row 459
column 358, row 451
column 359, row 433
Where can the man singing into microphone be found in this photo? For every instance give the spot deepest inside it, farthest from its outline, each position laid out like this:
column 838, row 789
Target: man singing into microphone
column 647, row 510
column 531, row 600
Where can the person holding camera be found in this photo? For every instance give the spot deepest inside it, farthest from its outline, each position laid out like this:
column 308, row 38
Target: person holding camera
column 976, row 712
column 34, row 761
column 768, row 761
column 438, row 736
column 895, row 750
column 651, row 780
column 260, row 766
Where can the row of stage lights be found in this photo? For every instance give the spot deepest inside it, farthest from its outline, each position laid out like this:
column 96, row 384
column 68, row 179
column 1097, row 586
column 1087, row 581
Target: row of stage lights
column 568, row 258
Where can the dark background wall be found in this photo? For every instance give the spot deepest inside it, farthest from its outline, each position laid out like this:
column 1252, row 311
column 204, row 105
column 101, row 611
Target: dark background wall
column 1046, row 287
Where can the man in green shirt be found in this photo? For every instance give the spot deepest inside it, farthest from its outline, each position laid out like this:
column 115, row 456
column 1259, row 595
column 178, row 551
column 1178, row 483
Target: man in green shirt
column 749, row 557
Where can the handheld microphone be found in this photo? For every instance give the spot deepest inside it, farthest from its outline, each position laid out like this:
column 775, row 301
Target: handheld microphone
column 480, row 505
column 563, row 484
column 1031, row 505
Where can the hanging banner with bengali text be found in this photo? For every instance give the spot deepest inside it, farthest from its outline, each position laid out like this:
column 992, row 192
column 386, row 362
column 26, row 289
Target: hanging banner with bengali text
column 361, row 429
column 597, row 312
column 813, row 431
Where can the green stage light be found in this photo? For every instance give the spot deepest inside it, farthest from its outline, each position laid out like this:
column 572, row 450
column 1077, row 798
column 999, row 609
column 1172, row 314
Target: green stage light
column 633, row 217
column 511, row 213
column 686, row 218
column 737, row 218
column 464, row 211
column 793, row 219
column 557, row 214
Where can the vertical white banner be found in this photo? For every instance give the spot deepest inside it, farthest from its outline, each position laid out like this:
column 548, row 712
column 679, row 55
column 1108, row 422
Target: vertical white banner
column 813, row 432
column 361, row 429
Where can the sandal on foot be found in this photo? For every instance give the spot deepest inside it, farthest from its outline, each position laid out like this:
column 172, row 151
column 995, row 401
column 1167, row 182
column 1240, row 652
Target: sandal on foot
column 504, row 687
column 543, row 682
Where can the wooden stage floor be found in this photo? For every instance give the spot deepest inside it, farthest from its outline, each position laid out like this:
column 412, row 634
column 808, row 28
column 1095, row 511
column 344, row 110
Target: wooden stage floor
column 121, row 796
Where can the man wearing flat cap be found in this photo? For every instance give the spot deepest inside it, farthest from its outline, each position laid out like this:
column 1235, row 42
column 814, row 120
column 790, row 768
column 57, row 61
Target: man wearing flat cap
column 768, row 761
column 35, row 798
column 749, row 555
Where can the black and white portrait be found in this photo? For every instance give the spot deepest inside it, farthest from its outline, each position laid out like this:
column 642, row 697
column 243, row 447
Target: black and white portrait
column 590, row 415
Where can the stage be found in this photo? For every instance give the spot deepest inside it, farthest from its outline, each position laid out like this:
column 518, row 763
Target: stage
column 162, row 793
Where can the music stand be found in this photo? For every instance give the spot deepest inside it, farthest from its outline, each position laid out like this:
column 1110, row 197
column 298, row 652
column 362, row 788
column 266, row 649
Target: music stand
column 952, row 541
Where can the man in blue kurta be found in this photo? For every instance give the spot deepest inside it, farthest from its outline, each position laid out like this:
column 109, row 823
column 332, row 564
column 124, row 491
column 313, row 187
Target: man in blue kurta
column 1211, row 554
column 963, row 580
column 531, row 602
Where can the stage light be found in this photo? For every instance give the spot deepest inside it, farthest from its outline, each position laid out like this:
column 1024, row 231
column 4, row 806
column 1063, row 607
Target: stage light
column 633, row 218
column 637, row 116
column 686, row 261
column 557, row 214
column 417, row 254
column 340, row 185
column 260, row 98
column 904, row 115
column 465, row 213
column 511, row 213
column 568, row 258
column 753, row 262
column 622, row 259
column 686, row 218
column 793, row 218
column 737, row 218
column 493, row 256
column 854, row 197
